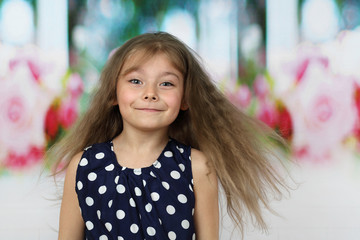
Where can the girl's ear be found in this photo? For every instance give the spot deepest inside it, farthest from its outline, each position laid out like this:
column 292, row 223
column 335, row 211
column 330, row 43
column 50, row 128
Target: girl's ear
column 184, row 106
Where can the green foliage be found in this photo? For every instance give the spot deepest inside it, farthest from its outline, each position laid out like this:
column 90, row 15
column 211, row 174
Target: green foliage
column 248, row 72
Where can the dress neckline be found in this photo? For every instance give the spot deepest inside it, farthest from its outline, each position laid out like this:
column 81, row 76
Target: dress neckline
column 155, row 164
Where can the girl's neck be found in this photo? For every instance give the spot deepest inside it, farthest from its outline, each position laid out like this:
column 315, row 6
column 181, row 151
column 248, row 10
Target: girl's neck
column 139, row 149
column 141, row 141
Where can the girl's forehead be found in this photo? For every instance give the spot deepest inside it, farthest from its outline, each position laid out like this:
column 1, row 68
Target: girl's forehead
column 140, row 57
column 137, row 58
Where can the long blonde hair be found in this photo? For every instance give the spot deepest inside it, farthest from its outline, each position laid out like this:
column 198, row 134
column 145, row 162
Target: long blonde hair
column 237, row 145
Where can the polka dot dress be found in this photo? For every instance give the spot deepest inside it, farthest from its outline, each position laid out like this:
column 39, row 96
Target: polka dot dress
column 118, row 203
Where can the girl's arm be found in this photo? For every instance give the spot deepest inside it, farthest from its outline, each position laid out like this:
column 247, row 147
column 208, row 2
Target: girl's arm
column 71, row 223
column 206, row 214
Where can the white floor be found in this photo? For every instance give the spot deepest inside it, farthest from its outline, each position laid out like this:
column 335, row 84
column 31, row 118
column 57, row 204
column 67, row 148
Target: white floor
column 28, row 208
column 326, row 206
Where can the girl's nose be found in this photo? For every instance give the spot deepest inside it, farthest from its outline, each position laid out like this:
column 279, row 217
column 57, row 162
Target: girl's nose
column 150, row 97
column 150, row 94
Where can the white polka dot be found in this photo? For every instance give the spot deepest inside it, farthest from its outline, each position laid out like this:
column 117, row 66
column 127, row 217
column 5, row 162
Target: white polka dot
column 151, row 231
column 120, row 214
column 194, row 236
column 175, row 174
column 193, row 211
column 102, row 189
column 155, row 196
column 123, row 168
column 109, row 226
column 120, row 188
column 103, row 237
column 89, row 225
column 190, row 187
column 137, row 191
column 160, row 221
column 110, row 203
column 98, row 214
column 181, row 150
column 168, row 154
column 116, row 179
column 165, row 185
column 172, row 235
column 182, row 198
column 157, row 164
column 148, row 207
column 182, row 167
column 110, row 167
column 134, row 228
column 137, row 171
column 170, row 209
column 84, row 162
column 120, row 238
column 79, row 185
column 190, row 158
column 100, row 155
column 89, row 201
column 132, row 202
column 144, row 182
column 92, row 176
column 152, row 174
column 185, row 224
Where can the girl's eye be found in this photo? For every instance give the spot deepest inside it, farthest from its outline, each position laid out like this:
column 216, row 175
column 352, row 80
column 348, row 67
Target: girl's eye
column 135, row 81
column 166, row 84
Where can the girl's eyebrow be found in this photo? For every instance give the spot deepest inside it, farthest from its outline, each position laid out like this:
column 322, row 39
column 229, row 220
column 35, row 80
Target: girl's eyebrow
column 171, row 74
column 138, row 69
column 131, row 69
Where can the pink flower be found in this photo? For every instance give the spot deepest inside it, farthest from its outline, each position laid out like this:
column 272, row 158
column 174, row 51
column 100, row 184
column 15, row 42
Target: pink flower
column 357, row 98
column 45, row 68
column 242, row 97
column 284, row 124
column 68, row 113
column 30, row 79
column 17, row 160
column 51, row 123
column 261, row 87
column 75, row 85
column 267, row 113
column 304, row 63
column 290, row 69
column 23, row 105
column 357, row 105
column 323, row 111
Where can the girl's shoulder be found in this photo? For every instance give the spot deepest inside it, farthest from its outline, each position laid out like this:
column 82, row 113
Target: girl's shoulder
column 76, row 159
column 73, row 164
column 199, row 162
column 204, row 173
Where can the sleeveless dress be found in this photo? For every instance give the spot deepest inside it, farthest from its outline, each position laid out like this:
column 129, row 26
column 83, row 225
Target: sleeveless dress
column 119, row 203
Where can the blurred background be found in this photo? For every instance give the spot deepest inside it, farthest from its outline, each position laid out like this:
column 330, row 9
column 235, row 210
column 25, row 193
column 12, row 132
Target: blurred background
column 294, row 64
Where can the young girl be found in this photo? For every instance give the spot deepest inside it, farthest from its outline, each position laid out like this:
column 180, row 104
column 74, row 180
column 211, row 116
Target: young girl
column 145, row 159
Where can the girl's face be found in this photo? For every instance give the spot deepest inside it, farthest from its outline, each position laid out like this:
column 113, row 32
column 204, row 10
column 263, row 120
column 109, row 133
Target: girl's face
column 149, row 94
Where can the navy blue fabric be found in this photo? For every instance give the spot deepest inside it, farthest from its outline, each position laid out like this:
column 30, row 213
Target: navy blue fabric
column 155, row 202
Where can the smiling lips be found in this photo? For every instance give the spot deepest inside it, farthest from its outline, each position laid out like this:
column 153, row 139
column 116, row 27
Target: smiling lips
column 149, row 109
